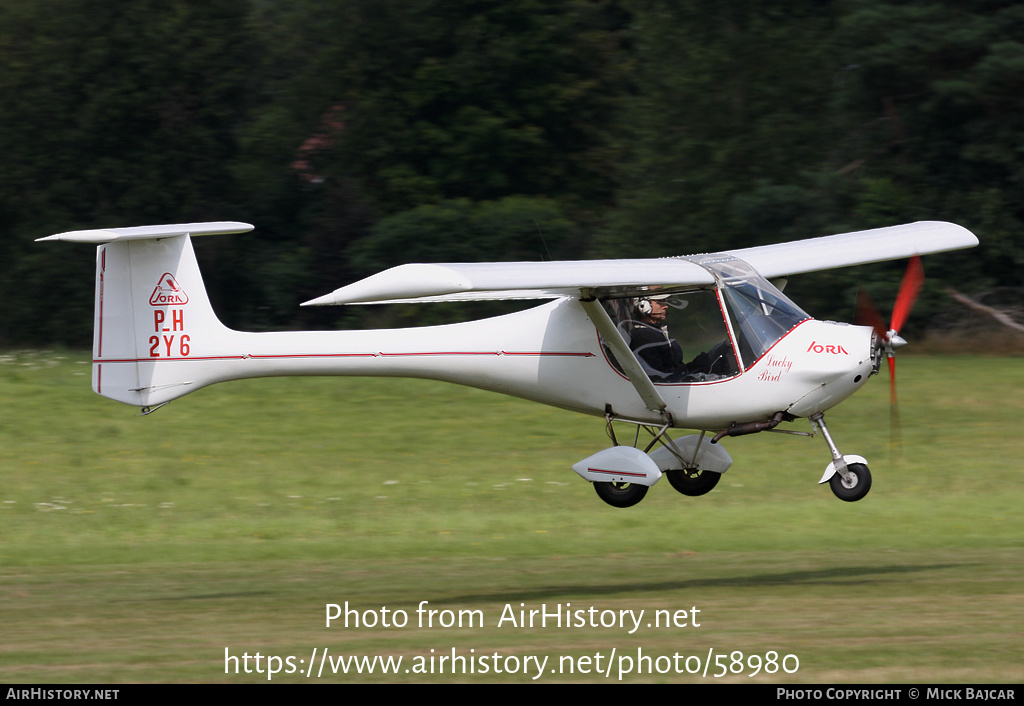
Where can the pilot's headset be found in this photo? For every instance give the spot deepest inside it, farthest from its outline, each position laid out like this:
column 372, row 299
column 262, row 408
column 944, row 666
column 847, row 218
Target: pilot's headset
column 643, row 304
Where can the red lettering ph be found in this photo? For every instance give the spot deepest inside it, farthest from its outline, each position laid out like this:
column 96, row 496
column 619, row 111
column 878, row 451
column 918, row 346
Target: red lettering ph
column 158, row 318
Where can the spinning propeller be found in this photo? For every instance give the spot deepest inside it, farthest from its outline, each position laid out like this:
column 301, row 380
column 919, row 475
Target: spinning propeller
column 889, row 339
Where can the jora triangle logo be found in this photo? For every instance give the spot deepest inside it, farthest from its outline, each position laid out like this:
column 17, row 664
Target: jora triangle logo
column 168, row 292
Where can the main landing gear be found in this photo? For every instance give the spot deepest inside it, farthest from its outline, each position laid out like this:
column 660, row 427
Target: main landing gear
column 848, row 476
column 621, row 475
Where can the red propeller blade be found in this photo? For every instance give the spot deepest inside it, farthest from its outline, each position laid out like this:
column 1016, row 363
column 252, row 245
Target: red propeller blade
column 909, row 288
column 892, row 380
column 895, row 437
column 867, row 314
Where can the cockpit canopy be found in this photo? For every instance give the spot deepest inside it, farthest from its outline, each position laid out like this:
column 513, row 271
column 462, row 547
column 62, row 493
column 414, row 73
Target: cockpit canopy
column 697, row 334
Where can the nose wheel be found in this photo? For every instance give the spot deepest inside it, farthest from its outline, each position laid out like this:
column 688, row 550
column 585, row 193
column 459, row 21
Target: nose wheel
column 854, row 486
column 848, row 476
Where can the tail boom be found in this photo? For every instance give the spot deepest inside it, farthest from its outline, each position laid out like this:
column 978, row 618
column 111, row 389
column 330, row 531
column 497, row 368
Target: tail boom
column 157, row 338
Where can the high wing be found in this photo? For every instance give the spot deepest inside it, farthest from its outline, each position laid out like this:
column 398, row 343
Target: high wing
column 859, row 248
column 551, row 280
column 513, row 280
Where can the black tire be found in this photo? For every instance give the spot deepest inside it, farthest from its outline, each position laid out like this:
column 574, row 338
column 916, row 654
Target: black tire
column 621, row 494
column 693, row 482
column 857, row 489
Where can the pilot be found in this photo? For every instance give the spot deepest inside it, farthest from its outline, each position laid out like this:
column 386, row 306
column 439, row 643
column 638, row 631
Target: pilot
column 660, row 355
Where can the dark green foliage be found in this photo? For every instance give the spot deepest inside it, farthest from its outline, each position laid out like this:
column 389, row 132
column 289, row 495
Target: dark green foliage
column 935, row 114
column 472, row 99
column 391, row 107
column 113, row 114
column 121, row 110
column 362, row 134
column 728, row 121
column 514, row 228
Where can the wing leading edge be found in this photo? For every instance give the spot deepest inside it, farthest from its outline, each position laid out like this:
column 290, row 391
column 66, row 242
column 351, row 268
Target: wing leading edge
column 551, row 280
column 859, row 248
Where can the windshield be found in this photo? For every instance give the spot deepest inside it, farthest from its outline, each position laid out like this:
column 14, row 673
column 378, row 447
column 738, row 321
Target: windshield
column 760, row 314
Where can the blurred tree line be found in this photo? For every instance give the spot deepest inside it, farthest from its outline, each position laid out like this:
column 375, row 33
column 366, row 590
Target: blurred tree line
column 361, row 134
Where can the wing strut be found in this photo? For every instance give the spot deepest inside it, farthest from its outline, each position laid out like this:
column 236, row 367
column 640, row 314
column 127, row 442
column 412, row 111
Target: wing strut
column 614, row 340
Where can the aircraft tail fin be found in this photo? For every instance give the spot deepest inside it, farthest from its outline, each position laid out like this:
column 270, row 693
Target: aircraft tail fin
column 152, row 318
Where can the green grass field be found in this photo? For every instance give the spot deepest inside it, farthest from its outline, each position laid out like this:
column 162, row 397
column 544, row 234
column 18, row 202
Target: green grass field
column 138, row 549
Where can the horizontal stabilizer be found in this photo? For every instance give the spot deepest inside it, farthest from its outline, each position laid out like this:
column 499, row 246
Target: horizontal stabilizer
column 110, row 235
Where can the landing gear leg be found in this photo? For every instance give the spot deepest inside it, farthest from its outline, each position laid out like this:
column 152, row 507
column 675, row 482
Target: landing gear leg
column 848, row 476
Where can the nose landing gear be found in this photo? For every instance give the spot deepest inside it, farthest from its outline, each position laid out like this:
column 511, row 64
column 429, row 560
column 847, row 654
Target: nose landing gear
column 848, row 475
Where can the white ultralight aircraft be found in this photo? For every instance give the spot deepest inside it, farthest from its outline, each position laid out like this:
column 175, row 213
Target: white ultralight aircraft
column 610, row 343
